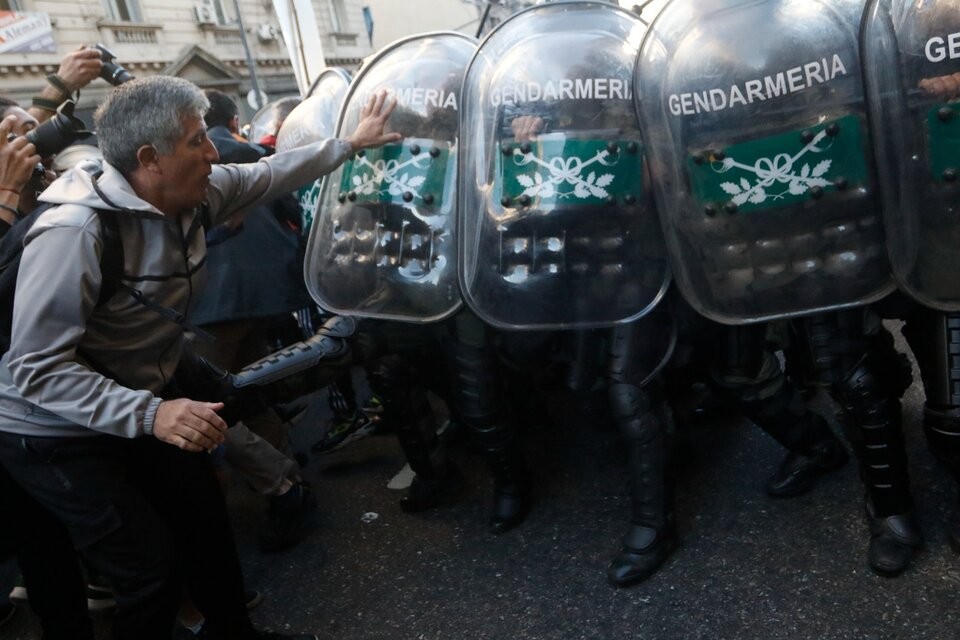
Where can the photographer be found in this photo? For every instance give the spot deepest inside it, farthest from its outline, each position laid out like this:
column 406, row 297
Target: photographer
column 138, row 510
column 18, row 161
column 77, row 69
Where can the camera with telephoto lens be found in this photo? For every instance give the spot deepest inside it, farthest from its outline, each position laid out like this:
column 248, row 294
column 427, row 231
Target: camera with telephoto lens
column 111, row 71
column 57, row 133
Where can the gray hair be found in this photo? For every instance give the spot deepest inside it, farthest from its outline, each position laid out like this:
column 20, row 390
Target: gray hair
column 145, row 111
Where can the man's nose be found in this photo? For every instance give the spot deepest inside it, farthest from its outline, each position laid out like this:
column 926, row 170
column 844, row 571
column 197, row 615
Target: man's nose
column 212, row 156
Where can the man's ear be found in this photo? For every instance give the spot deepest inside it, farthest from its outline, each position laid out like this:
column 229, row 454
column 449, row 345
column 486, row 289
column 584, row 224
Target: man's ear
column 147, row 157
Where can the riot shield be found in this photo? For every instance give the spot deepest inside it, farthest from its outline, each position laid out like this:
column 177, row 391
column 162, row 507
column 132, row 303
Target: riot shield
column 265, row 123
column 313, row 120
column 755, row 122
column 557, row 227
column 911, row 63
column 383, row 242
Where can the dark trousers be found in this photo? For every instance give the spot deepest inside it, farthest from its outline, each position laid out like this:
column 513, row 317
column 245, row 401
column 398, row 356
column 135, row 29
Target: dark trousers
column 146, row 515
column 48, row 563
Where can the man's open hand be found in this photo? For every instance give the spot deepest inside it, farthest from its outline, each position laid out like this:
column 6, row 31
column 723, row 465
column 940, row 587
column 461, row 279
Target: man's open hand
column 190, row 425
column 373, row 122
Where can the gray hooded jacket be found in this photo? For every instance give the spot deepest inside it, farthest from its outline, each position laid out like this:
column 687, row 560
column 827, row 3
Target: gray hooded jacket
column 46, row 387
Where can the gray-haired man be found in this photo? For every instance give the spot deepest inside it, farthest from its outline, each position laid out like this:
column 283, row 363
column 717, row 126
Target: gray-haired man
column 82, row 425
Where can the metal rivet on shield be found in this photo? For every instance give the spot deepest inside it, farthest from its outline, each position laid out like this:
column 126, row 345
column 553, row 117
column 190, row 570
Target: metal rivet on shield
column 428, row 199
column 407, row 196
column 833, row 129
column 525, row 200
column 719, row 156
column 506, row 149
column 415, row 149
column 341, row 198
column 697, row 158
column 434, row 152
column 352, row 196
column 612, row 147
column 949, row 175
column 841, row 183
column 710, row 210
column 525, row 147
column 730, row 208
column 629, row 198
column 505, row 201
column 632, row 147
column 806, row 137
column 816, row 192
column 945, row 114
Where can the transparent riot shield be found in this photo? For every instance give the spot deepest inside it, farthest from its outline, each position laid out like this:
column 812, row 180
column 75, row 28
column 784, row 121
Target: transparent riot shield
column 755, row 122
column 313, row 120
column 383, row 241
column 265, row 123
column 911, row 62
column 557, row 227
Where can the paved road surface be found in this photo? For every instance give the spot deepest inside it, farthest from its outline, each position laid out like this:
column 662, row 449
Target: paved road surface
column 749, row 566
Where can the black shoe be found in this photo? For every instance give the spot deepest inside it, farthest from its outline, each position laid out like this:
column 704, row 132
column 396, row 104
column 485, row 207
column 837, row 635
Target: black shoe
column 511, row 504
column 893, row 542
column 798, row 473
column 644, row 550
column 288, row 519
column 446, row 488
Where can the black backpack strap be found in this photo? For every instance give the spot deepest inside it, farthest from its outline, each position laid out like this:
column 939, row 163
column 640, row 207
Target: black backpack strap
column 111, row 258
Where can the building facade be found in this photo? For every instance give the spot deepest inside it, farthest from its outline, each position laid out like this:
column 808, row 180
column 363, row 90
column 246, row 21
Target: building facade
column 195, row 39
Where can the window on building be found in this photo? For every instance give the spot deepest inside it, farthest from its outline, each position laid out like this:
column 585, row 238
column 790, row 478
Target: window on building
column 224, row 10
column 124, row 10
column 338, row 16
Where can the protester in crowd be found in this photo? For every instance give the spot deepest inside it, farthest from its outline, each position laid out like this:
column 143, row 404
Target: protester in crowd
column 80, row 392
column 255, row 277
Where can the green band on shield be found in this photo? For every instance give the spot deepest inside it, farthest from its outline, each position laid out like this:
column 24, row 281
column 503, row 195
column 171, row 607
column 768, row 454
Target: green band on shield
column 943, row 140
column 556, row 170
column 806, row 164
column 414, row 172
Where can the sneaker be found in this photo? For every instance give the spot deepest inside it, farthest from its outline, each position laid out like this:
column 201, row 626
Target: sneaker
column 7, row 611
column 343, row 432
column 373, row 408
column 19, row 592
column 99, row 598
column 288, row 519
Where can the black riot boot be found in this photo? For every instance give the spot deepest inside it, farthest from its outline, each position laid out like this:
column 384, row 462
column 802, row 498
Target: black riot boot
column 800, row 469
column 480, row 403
column 437, row 481
column 771, row 402
column 652, row 534
column 894, row 533
column 942, row 428
column 512, row 497
column 934, row 337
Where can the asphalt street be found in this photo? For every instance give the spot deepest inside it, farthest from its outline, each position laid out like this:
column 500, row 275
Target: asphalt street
column 748, row 566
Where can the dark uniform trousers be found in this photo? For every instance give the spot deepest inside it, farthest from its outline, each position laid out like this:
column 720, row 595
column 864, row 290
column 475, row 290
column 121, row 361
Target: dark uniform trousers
column 146, row 515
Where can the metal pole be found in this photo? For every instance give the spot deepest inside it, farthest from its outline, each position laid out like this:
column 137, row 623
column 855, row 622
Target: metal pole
column 483, row 20
column 250, row 63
